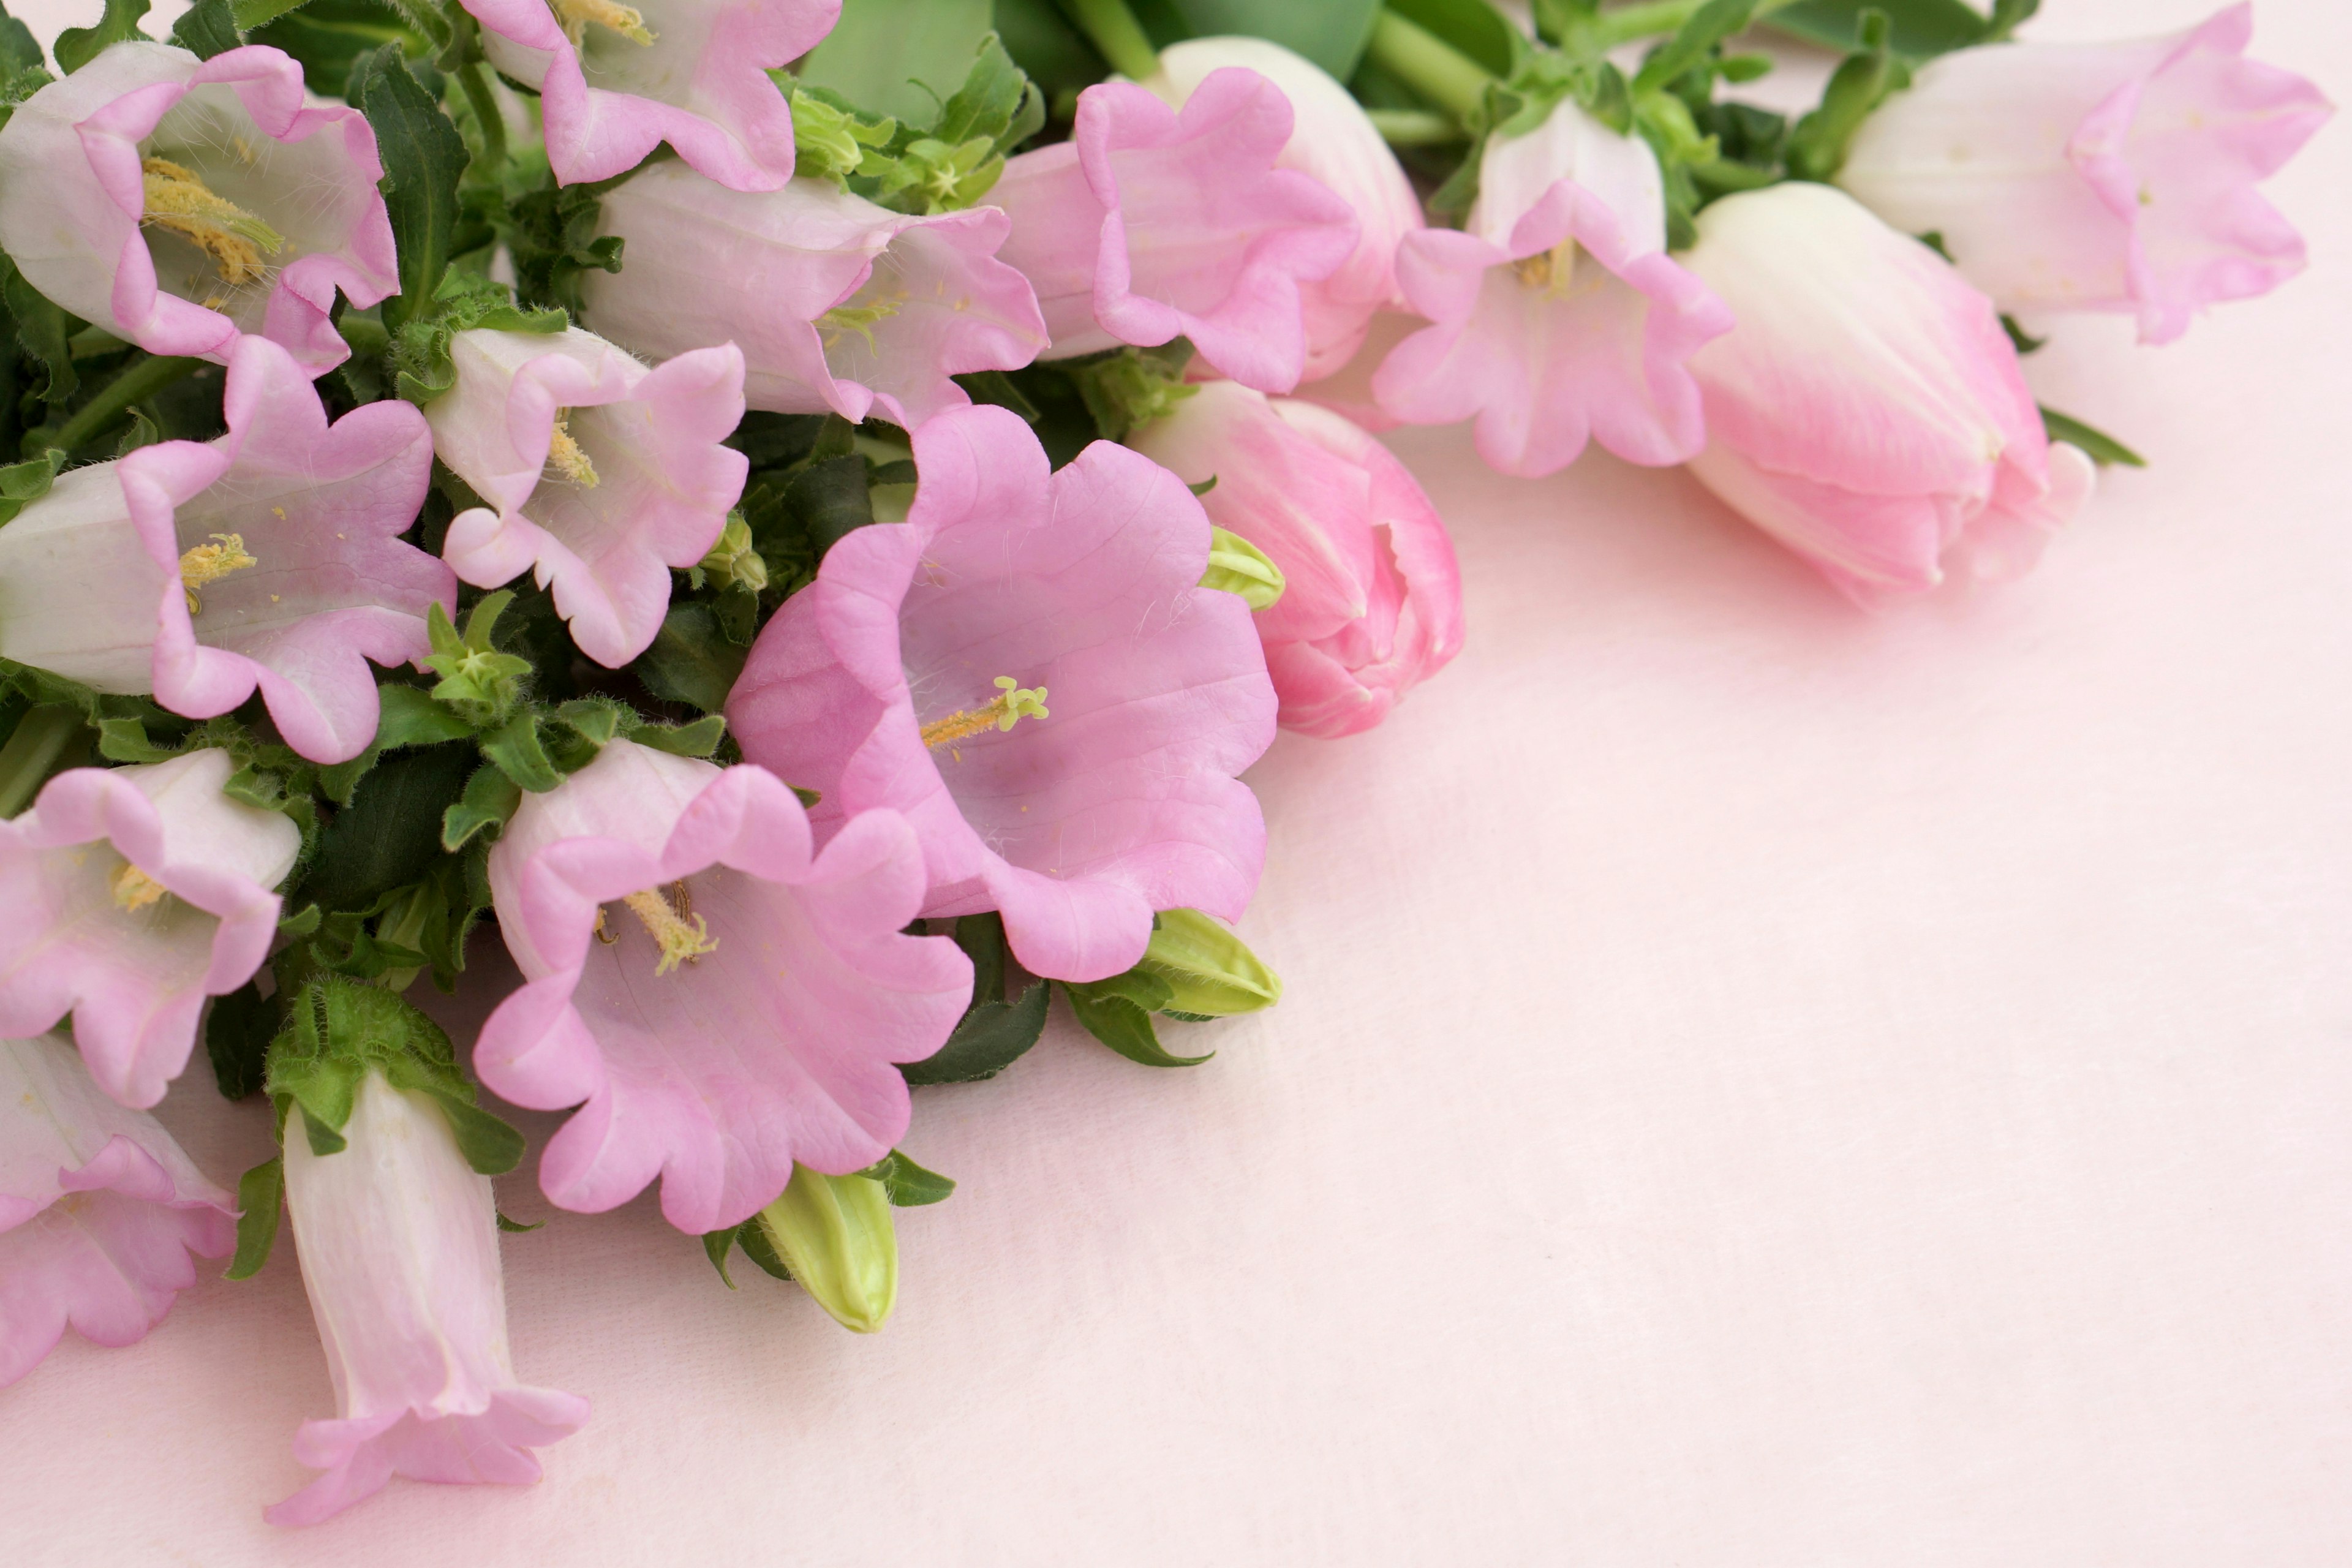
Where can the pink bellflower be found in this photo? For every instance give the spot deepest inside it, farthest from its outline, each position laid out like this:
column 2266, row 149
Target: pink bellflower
column 1028, row 671
column 180, row 203
column 719, row 999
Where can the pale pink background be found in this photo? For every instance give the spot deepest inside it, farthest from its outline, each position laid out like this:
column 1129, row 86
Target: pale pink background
column 1760, row 1085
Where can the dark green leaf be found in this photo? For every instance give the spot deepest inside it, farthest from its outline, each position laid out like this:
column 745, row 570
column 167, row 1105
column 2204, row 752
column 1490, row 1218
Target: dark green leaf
column 909, row 1185
column 1472, row 27
column 990, row 1036
column 328, row 37
column 514, row 750
column 251, row 13
column 698, row 739
column 391, row 832
column 237, row 1032
column 206, row 28
column 1118, row 1012
column 762, row 1251
column 1332, row 33
column 41, row 331
column 491, row 1146
column 424, row 158
column 1921, row 28
column 994, row 386
column 2103, row 449
column 690, row 661
column 19, row 50
column 76, row 47
column 21, row 484
column 261, row 1195
column 716, row 1246
column 405, row 717
column 490, row 799
column 831, row 498
column 1817, row 147
column 2025, row 343
column 1709, row 25
column 516, row 1226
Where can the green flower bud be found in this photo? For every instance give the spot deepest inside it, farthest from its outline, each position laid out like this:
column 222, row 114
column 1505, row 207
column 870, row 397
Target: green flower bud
column 733, row 562
column 835, row 1235
column 1209, row 971
column 1240, row 567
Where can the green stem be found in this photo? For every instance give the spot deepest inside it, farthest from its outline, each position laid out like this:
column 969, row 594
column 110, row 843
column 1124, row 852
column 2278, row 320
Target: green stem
column 45, row 739
column 1113, row 29
column 1429, row 65
column 1652, row 18
column 475, row 79
column 135, row 385
column 1414, row 127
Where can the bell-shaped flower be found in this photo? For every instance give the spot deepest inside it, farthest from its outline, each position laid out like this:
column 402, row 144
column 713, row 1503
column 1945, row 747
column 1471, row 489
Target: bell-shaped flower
column 1868, row 411
column 178, row 203
column 133, row 894
column 2108, row 176
column 269, row 557
column 1559, row 315
column 601, row 474
column 837, row 304
column 722, row 999
column 1373, row 600
column 616, row 80
column 399, row 1243
column 1151, row 224
column 1027, row 669
column 1334, row 141
column 99, row 1210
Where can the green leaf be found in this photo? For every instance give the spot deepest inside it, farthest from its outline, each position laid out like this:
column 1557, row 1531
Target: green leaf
column 19, row 50
column 390, row 835
column 1049, row 50
column 338, row 1031
column 2103, row 449
column 21, row 484
column 490, row 799
column 2025, row 343
column 328, row 37
column 1209, row 971
column 1472, row 27
column 1817, row 147
column 514, row 750
column 466, row 301
column 690, row 661
column 1118, row 1012
column 1332, row 33
column 831, row 498
column 491, row 1145
column 237, row 1031
column 405, row 716
column 252, row 14
column 41, row 331
column 424, row 158
column 909, row 1185
column 206, row 28
column 880, row 49
column 716, row 1246
column 753, row 1236
column 76, row 47
column 261, row 1195
column 516, row 1226
column 1921, row 28
column 698, row 739
column 992, row 1032
column 1691, row 44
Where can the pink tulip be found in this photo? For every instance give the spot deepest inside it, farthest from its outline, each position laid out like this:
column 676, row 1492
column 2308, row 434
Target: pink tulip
column 267, row 558
column 1373, row 602
column 601, row 473
column 1026, row 669
column 399, row 1243
column 99, row 1210
column 1333, row 141
column 836, row 303
column 133, row 894
column 178, row 203
column 616, row 80
column 1868, row 411
column 1150, row 224
column 1557, row 314
column 723, row 1001
column 2113, row 176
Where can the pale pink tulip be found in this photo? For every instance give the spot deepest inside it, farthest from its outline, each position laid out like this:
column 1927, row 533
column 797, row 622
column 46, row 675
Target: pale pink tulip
column 616, row 80
column 2115, row 176
column 399, row 1243
column 1868, row 411
column 838, row 305
column 1333, row 141
column 1373, row 600
column 267, row 558
column 99, row 1210
column 601, row 474
column 724, row 1000
column 133, row 894
column 1151, row 224
column 1027, row 669
column 1559, row 315
column 178, row 203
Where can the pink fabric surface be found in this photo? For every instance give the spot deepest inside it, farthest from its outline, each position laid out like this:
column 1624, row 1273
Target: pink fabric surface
column 1759, row 1085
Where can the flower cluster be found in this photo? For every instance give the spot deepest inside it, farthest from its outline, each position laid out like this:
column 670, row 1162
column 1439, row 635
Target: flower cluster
column 813, row 579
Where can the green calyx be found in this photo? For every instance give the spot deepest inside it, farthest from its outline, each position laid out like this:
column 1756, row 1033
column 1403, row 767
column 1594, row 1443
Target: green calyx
column 951, row 164
column 1237, row 566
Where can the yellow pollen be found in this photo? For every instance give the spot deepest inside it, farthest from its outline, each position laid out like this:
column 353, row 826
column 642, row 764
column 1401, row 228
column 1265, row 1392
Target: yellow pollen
column 235, row 239
column 565, row 455
column 576, row 15
column 210, row 564
column 859, row 319
column 1554, row 271
column 682, row 935
column 133, row 889
column 1013, row 703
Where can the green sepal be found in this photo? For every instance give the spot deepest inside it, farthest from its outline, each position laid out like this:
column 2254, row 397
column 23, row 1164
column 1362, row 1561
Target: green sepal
column 21, row 484
column 2101, row 447
column 424, row 159
column 1118, row 1012
column 716, row 1246
column 261, row 1197
column 514, row 748
column 1129, row 387
column 1817, row 147
column 993, row 1034
column 478, row 682
column 466, row 301
column 338, row 1031
column 699, row 739
column 1237, row 566
column 753, row 1237
column 324, row 1138
column 489, row 801
column 206, row 28
column 302, row 922
column 909, row 1185
column 76, row 47
column 516, row 1226
column 1209, row 971
column 491, row 1145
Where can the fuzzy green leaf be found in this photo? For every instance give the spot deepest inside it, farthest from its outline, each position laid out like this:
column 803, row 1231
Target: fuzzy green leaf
column 206, row 28
column 424, row 158
column 237, row 1031
column 76, row 47
column 261, row 1195
column 490, row 799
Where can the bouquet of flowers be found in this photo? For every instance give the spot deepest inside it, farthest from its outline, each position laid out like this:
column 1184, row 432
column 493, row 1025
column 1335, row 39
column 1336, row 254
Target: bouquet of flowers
column 796, row 514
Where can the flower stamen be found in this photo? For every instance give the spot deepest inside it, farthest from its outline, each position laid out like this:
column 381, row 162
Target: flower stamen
column 563, row 453
column 178, row 200
column 210, row 564
column 1554, row 271
column 1013, row 703
column 577, row 15
column 682, row 935
column 133, row 889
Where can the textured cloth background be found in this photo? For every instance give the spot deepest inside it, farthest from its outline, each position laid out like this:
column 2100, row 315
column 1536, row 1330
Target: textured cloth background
column 1761, row 1086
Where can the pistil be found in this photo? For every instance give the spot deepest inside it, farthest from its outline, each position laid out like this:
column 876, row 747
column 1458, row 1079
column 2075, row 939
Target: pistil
column 1013, row 703
column 682, row 935
column 564, row 454
column 236, row 241
column 859, row 319
column 133, row 889
column 210, row 564
column 577, row 15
